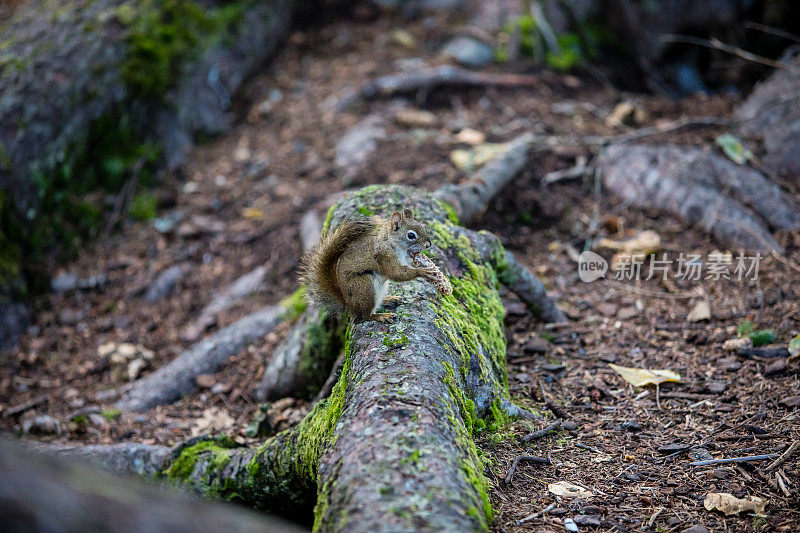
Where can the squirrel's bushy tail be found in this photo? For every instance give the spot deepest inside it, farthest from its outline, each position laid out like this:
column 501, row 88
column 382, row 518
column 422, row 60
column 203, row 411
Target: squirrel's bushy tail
column 318, row 269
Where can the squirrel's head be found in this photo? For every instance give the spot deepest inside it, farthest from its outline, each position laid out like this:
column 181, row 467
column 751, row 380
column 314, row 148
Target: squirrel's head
column 409, row 233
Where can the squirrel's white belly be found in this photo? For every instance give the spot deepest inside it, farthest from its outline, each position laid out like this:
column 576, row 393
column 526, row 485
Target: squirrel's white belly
column 380, row 286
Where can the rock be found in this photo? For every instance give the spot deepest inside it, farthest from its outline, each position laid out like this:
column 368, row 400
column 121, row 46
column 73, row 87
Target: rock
column 570, row 425
column 206, row 381
column 553, row 368
column 34, row 424
column 720, row 473
column 97, row 420
column 537, row 345
column 716, row 387
column 699, row 454
column 695, row 529
column 221, row 388
column 356, row 145
column 728, row 363
column 775, row 367
column 631, row 476
column 584, row 520
column 790, row 401
column 469, row 52
column 164, row 284
column 631, row 425
column 606, row 309
column 120, row 354
column 627, row 313
column 673, row 521
column 64, row 282
column 673, row 447
column 134, row 368
column 732, row 345
column 13, row 324
column 416, row 118
column 558, row 511
column 522, row 377
column 570, row 525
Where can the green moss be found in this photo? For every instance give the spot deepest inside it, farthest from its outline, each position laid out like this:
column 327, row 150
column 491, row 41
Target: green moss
column 365, row 211
column 144, row 206
column 395, row 340
column 295, row 304
column 328, row 218
column 217, row 453
column 324, row 339
column 452, row 216
column 164, row 34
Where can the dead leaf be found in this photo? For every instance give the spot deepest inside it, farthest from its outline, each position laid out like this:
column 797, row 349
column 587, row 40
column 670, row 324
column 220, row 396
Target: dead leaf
column 645, row 242
column 730, row 504
column 701, row 311
column 252, row 213
column 471, row 137
column 626, row 114
column 568, row 490
column 477, row 156
column 734, row 149
column 639, row 377
column 212, row 420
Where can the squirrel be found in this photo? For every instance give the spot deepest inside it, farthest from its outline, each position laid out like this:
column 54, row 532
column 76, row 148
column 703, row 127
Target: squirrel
column 349, row 270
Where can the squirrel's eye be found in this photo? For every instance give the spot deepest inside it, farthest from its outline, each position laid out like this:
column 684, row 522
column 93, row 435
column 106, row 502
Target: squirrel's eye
column 411, row 235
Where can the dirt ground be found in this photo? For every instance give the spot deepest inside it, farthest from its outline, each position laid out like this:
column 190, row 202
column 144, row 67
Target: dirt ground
column 241, row 198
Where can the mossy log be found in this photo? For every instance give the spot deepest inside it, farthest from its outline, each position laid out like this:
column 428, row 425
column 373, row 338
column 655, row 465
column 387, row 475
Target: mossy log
column 45, row 493
column 392, row 447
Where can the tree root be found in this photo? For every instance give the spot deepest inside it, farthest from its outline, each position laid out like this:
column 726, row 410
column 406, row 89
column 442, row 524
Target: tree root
column 302, row 362
column 734, row 203
column 177, row 377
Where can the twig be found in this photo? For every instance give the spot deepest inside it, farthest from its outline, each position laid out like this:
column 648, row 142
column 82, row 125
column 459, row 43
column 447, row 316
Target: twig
column 772, row 31
column 529, row 458
column 735, row 50
column 655, row 515
column 577, row 171
column 535, row 515
column 735, row 460
column 765, row 436
column 587, row 447
column 555, row 426
column 782, row 484
column 784, row 457
column 21, row 408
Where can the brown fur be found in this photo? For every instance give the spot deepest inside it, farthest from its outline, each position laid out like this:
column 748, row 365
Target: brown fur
column 342, row 271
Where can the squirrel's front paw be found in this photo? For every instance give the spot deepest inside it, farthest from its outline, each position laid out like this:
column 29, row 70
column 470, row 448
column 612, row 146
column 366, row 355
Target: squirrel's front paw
column 390, row 300
column 384, row 318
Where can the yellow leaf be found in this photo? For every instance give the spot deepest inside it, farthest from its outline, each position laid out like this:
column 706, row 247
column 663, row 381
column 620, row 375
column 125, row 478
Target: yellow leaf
column 730, row 504
column 477, row 156
column 639, row 377
column 253, row 213
column 645, row 242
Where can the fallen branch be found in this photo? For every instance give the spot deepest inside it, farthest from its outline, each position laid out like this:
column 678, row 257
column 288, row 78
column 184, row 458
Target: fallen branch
column 551, row 428
column 528, row 458
column 237, row 291
column 785, row 456
column 730, row 49
column 471, row 197
column 766, row 352
column 536, row 515
column 177, row 377
column 735, row 460
column 444, row 76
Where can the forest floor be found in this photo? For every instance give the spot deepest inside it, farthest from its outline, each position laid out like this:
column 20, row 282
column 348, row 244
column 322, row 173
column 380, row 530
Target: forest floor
column 240, row 199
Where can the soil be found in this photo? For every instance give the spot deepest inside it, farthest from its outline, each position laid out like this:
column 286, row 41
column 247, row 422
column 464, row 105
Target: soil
column 242, row 197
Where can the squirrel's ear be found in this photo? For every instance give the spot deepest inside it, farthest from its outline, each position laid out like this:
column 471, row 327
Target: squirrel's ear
column 407, row 213
column 396, row 218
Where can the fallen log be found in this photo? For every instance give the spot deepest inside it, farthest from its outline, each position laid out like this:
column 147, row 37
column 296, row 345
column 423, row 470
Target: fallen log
column 41, row 492
column 391, row 448
column 735, row 203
